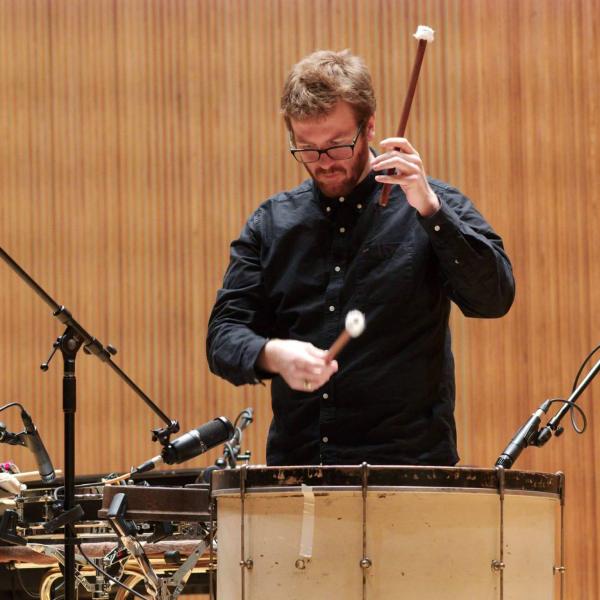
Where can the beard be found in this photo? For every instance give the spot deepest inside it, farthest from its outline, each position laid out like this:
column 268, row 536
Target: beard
column 341, row 177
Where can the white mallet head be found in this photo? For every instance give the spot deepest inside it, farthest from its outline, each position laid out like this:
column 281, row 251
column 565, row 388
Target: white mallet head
column 424, row 33
column 355, row 323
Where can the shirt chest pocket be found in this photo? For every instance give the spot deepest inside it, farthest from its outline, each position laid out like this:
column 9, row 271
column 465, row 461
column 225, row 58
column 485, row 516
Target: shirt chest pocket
column 384, row 273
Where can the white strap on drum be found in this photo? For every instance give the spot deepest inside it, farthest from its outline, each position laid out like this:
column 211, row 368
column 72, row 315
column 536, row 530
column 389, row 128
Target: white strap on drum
column 308, row 527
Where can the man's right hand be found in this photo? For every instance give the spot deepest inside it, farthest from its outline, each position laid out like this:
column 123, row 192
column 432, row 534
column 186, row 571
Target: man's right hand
column 300, row 364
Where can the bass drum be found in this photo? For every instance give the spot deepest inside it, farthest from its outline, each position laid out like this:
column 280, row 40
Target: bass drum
column 377, row 533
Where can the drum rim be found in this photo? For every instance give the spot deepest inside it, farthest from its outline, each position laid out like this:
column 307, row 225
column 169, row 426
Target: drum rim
column 389, row 476
column 297, row 491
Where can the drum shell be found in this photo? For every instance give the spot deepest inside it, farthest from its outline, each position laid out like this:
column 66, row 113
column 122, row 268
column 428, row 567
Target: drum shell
column 424, row 540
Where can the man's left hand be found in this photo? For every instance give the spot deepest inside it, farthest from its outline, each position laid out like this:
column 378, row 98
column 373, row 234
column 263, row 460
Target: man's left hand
column 410, row 175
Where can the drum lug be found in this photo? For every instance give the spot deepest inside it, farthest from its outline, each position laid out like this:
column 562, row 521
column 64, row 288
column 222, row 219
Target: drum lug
column 498, row 565
column 247, row 564
column 366, row 563
column 562, row 569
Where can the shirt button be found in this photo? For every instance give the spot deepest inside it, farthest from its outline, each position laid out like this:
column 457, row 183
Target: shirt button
column 456, row 261
column 342, row 230
column 325, row 439
column 328, row 208
column 325, row 396
column 359, row 206
column 342, row 198
column 331, row 308
column 336, row 269
column 436, row 228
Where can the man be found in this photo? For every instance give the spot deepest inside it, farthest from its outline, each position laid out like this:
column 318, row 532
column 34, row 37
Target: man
column 309, row 255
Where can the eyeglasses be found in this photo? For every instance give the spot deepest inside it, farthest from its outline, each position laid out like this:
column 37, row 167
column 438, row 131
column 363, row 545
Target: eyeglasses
column 338, row 152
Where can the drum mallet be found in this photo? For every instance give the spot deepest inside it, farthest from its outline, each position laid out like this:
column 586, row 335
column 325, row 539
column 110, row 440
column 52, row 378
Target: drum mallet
column 354, row 326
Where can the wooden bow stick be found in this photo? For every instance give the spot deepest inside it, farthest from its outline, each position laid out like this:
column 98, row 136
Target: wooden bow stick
column 424, row 34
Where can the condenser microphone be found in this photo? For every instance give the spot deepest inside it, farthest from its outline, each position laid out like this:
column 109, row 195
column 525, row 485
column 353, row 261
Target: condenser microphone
column 191, row 444
column 33, row 441
column 526, row 436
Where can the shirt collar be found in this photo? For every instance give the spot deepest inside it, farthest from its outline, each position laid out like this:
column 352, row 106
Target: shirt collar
column 360, row 196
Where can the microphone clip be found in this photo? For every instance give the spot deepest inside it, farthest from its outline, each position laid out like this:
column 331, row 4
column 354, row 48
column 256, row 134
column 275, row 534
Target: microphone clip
column 162, row 435
column 8, row 437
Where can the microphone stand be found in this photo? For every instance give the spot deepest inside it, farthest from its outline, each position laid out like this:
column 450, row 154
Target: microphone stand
column 530, row 434
column 553, row 426
column 69, row 343
column 232, row 453
column 232, row 449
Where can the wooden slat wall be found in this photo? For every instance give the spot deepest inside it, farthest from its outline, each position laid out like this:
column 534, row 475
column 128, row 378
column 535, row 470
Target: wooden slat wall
column 136, row 137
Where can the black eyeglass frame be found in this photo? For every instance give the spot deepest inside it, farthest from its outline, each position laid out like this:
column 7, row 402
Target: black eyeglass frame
column 351, row 145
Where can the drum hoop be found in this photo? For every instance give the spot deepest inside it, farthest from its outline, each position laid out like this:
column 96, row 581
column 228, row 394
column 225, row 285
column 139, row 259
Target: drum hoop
column 318, row 490
column 320, row 477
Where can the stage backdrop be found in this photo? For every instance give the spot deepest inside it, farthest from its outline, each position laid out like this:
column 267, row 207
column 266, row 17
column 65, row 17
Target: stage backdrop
column 136, row 136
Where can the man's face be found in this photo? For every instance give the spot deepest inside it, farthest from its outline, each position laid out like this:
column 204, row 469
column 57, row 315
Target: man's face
column 335, row 177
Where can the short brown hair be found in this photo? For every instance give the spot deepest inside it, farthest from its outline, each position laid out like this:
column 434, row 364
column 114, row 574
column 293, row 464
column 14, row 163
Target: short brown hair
column 322, row 79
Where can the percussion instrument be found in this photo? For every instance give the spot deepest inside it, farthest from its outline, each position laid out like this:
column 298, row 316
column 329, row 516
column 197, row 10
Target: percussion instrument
column 171, row 518
column 36, row 507
column 374, row 532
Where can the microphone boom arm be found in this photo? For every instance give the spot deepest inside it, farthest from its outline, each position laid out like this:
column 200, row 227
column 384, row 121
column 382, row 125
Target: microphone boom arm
column 76, row 336
column 531, row 435
column 553, row 425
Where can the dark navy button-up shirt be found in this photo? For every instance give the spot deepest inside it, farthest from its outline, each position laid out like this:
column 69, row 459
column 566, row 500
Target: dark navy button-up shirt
column 303, row 261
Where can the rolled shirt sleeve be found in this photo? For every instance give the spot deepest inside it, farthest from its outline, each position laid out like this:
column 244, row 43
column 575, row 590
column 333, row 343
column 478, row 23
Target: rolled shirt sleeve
column 238, row 327
column 477, row 273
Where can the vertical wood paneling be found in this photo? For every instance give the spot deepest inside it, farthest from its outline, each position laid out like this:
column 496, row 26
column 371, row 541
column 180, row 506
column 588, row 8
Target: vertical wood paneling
column 137, row 136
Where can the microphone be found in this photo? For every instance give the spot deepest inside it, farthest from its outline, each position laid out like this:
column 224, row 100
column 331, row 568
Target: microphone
column 526, row 436
column 191, row 444
column 33, row 441
column 232, row 448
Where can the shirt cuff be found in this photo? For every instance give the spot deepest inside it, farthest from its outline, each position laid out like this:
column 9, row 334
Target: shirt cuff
column 442, row 224
column 254, row 374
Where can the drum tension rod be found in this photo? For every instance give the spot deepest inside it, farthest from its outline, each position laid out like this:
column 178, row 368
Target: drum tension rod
column 246, row 564
column 365, row 561
column 498, row 565
column 561, row 569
